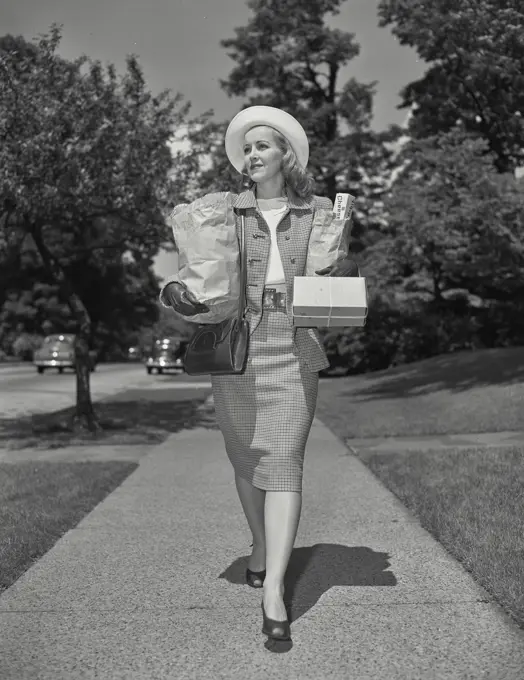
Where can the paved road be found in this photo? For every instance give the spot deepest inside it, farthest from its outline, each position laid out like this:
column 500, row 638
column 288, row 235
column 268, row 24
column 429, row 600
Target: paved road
column 23, row 391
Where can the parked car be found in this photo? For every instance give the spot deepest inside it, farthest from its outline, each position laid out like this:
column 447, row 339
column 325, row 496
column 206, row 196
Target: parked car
column 167, row 354
column 58, row 351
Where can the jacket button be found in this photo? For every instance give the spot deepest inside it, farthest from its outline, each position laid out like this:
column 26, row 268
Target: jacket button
column 287, row 238
column 292, row 260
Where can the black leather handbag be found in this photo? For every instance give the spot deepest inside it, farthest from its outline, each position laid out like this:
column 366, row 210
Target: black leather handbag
column 221, row 349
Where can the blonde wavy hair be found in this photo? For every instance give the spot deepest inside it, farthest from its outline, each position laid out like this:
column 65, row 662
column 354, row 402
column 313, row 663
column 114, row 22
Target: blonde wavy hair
column 295, row 176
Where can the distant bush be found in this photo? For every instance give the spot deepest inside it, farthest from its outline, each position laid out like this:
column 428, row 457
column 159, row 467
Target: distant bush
column 25, row 345
column 4, row 357
column 394, row 336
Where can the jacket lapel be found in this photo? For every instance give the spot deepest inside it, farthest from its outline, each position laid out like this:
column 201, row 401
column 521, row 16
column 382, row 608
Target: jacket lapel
column 293, row 235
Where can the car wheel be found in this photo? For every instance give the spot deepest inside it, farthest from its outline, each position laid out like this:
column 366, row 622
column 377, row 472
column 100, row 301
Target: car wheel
column 149, row 369
column 40, row 369
column 60, row 370
column 159, row 371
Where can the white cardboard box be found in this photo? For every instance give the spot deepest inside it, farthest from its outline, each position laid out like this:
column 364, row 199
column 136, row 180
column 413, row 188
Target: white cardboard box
column 329, row 302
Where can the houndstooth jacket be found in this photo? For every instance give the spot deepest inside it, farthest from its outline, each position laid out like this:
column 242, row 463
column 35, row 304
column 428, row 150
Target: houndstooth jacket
column 293, row 234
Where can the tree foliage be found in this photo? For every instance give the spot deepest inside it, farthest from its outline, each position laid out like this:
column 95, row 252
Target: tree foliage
column 454, row 222
column 84, row 158
column 448, row 273
column 475, row 52
column 120, row 300
column 85, row 152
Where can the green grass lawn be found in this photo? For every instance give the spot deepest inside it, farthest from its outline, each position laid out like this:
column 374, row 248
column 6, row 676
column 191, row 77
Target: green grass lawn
column 470, row 499
column 41, row 501
column 456, row 393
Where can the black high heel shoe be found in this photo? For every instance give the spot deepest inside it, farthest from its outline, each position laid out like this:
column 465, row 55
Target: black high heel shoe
column 277, row 630
column 255, row 579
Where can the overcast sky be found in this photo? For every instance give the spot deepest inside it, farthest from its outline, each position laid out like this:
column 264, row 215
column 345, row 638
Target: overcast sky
column 178, row 45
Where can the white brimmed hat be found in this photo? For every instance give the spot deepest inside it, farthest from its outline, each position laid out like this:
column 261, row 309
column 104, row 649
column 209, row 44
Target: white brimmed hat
column 272, row 117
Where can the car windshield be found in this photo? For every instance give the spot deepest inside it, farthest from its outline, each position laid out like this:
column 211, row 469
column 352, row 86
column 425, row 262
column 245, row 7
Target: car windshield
column 167, row 343
column 166, row 346
column 58, row 341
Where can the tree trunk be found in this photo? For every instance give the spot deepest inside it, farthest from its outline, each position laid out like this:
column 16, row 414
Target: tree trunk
column 85, row 417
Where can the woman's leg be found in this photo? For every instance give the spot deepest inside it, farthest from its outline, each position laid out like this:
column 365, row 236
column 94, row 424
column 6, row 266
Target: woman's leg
column 282, row 515
column 253, row 500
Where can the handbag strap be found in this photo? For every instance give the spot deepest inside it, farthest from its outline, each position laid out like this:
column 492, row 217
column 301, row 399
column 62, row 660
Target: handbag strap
column 243, row 270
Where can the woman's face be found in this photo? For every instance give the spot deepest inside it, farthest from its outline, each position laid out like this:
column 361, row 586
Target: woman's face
column 262, row 156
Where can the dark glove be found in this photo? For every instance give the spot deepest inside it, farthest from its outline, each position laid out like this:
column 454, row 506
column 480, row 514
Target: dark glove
column 342, row 267
column 182, row 300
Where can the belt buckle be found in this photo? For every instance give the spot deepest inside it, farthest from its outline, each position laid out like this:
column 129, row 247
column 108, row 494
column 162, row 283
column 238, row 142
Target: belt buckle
column 274, row 299
column 270, row 298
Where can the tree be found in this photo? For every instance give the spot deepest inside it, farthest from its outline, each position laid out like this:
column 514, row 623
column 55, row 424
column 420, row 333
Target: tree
column 85, row 156
column 119, row 297
column 448, row 273
column 454, row 222
column 455, row 248
column 287, row 57
column 475, row 52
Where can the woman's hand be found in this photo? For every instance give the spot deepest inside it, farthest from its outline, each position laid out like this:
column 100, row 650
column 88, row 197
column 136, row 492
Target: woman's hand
column 182, row 300
column 342, row 267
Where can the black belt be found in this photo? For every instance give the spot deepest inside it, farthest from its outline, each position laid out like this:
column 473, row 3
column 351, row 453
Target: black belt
column 274, row 299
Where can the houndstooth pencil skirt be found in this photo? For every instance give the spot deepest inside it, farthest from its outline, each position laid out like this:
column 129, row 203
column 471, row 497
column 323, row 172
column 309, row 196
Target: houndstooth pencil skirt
column 266, row 413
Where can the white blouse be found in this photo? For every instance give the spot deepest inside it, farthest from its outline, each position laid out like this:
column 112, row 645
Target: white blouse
column 273, row 210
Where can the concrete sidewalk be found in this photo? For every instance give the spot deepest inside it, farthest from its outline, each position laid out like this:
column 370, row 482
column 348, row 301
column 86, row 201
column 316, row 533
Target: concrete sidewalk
column 150, row 585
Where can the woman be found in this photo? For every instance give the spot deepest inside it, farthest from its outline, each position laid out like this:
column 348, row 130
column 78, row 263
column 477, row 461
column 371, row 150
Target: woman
column 266, row 413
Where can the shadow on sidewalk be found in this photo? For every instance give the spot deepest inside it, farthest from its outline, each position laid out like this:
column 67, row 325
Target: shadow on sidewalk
column 129, row 418
column 314, row 570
